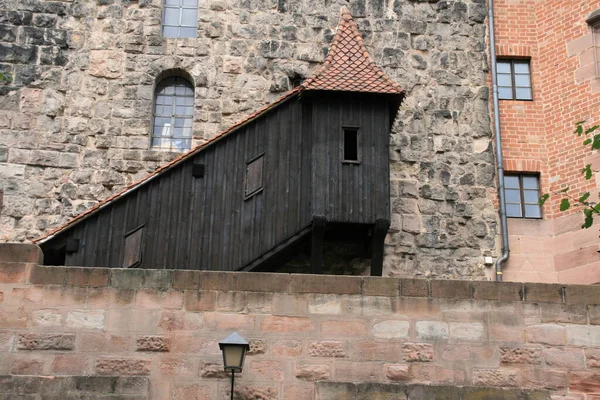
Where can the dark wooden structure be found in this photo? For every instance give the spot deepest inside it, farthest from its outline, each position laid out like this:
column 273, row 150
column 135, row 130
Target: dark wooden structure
column 313, row 162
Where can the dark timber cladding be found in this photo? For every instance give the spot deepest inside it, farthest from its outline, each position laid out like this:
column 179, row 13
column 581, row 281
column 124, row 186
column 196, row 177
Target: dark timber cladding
column 206, row 223
column 314, row 163
column 346, row 190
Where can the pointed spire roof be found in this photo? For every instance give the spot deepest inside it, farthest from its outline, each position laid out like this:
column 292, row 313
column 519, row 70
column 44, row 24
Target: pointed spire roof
column 348, row 66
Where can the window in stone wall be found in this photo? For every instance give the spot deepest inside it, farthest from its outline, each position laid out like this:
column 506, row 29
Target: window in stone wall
column 594, row 23
column 522, row 192
column 514, row 79
column 180, row 18
column 173, row 114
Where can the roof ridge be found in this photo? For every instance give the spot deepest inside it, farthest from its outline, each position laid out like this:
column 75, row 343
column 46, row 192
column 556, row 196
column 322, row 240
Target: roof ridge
column 349, row 66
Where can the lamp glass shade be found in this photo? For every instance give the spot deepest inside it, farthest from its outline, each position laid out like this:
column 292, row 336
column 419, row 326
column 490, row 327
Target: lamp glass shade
column 233, row 356
column 234, row 349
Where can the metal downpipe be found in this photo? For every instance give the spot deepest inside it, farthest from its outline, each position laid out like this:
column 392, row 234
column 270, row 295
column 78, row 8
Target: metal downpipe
column 499, row 157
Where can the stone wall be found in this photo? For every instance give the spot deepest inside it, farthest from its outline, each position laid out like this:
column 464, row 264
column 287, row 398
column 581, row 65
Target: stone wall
column 312, row 337
column 76, row 105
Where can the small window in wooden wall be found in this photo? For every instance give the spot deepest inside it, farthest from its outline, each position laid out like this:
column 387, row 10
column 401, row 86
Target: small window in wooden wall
column 132, row 256
column 351, row 153
column 254, row 176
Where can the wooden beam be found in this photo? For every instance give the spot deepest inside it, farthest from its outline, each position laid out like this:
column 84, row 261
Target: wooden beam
column 381, row 228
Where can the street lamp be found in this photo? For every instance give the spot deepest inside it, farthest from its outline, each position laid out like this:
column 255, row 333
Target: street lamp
column 234, row 349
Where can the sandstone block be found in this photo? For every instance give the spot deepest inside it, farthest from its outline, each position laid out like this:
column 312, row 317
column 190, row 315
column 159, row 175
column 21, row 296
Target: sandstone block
column 313, row 372
column 179, row 367
column 520, row 355
column 286, row 348
column 257, row 346
column 45, row 341
column 196, row 392
column 450, row 289
column 69, row 364
column 391, row 329
column 377, row 350
column 583, row 335
column 422, row 352
column 397, row 372
column 325, row 284
column 253, row 392
column 94, row 277
column 199, row 301
column 505, row 291
column 27, row 366
column 324, row 304
column 213, row 371
column 122, row 366
column 415, row 287
column 586, row 382
column 20, row 253
column 495, row 377
column 432, row 330
column 183, row 279
column 343, row 328
column 298, row 392
column 101, row 342
column 46, row 317
column 377, row 286
column 326, row 348
column 543, row 293
column 88, row 319
column 467, row 331
column 593, row 358
column 544, row 379
column 359, row 371
column 47, row 275
column 562, row 357
column 13, row 272
column 285, row 324
column 567, row 313
column 267, row 370
column 153, row 343
column 547, row 334
column 158, row 299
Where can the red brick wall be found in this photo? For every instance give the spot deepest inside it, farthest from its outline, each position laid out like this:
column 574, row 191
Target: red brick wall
column 538, row 135
column 165, row 325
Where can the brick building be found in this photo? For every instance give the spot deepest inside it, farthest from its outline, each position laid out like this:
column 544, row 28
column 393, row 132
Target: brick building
column 554, row 39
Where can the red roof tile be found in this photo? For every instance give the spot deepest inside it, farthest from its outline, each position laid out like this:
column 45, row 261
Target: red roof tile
column 348, row 66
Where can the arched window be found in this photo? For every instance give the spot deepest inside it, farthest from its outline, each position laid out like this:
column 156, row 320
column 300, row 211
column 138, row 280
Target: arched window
column 173, row 114
column 594, row 22
column 180, row 18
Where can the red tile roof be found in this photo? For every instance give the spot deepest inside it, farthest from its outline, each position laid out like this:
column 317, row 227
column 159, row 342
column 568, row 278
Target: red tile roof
column 348, row 66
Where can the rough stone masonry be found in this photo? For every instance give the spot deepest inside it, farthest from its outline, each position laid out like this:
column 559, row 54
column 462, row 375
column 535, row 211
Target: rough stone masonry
column 77, row 80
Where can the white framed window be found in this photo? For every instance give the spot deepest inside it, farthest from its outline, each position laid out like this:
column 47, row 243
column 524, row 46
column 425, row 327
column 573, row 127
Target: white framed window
column 173, row 114
column 180, row 18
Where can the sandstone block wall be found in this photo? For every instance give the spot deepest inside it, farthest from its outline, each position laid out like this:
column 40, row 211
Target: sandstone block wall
column 311, row 337
column 77, row 89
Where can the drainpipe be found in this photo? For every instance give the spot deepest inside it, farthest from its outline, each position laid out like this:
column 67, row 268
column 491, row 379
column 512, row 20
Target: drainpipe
column 499, row 158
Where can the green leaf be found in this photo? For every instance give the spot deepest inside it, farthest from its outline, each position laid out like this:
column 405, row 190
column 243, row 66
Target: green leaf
column 579, row 130
column 589, row 220
column 543, row 199
column 592, row 129
column 580, row 122
column 596, row 142
column 565, row 205
column 584, row 197
column 587, row 141
column 587, row 171
column 565, row 190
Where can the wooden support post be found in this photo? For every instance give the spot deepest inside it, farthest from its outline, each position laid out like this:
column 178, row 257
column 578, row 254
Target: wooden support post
column 316, row 248
column 381, row 228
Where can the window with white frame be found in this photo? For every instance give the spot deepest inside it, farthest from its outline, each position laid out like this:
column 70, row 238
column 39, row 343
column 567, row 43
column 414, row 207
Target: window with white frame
column 180, row 18
column 173, row 114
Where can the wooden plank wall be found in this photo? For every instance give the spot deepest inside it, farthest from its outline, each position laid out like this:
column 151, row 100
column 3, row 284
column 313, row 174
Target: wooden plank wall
column 345, row 192
column 205, row 223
